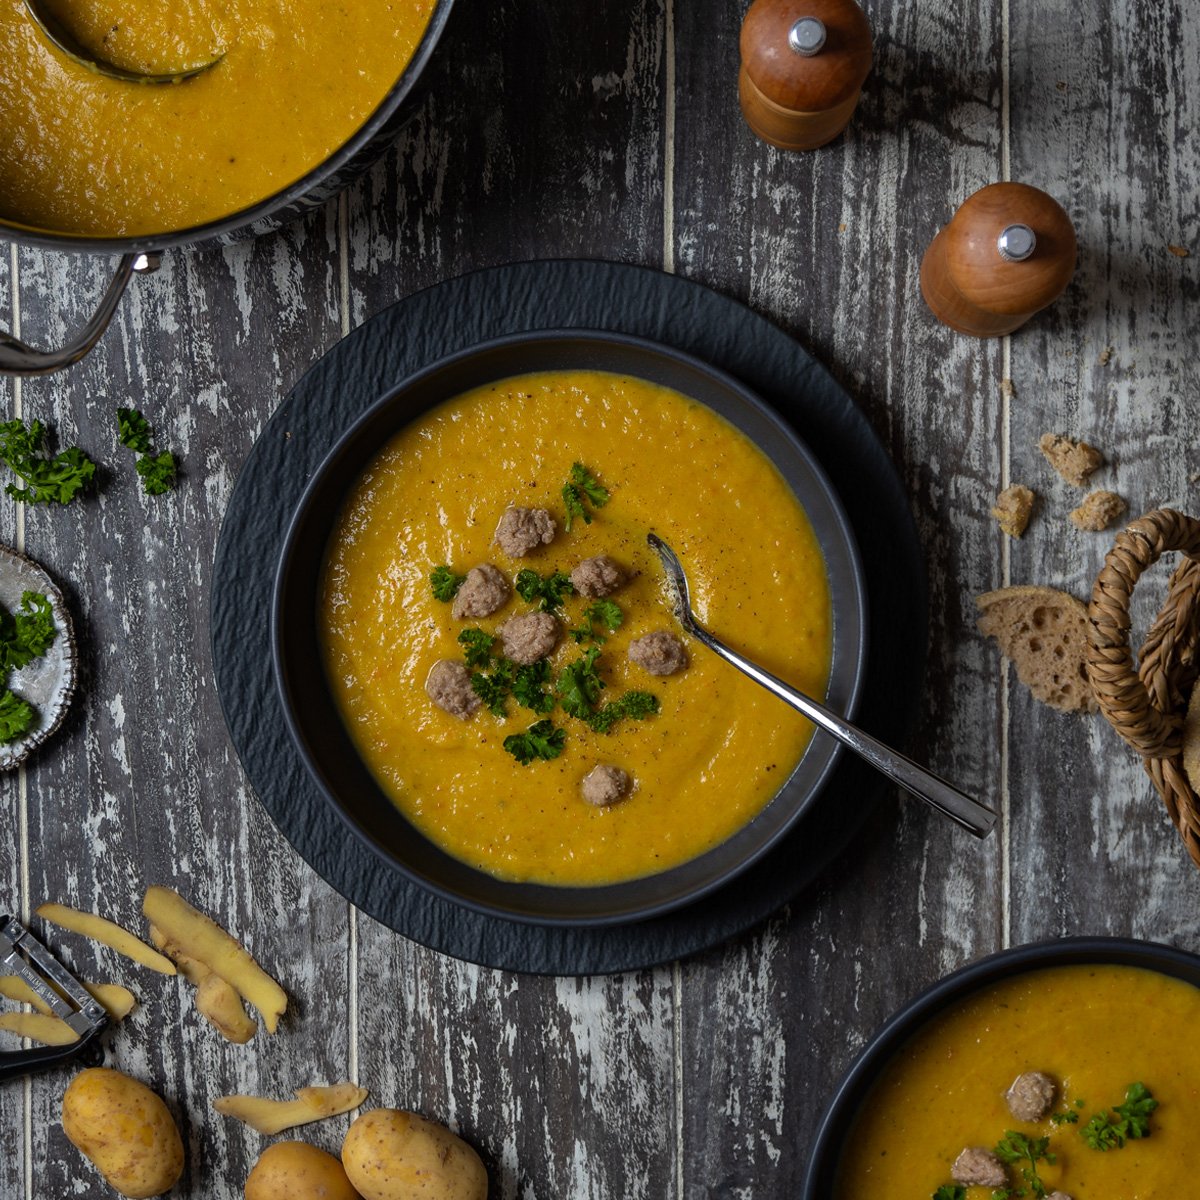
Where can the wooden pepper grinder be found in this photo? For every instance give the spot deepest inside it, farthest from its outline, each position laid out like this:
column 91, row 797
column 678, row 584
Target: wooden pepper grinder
column 1008, row 252
column 803, row 66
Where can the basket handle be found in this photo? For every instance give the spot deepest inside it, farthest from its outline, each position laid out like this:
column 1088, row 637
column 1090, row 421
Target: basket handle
column 1146, row 708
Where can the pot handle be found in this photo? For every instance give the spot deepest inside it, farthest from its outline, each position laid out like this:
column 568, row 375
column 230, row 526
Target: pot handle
column 16, row 358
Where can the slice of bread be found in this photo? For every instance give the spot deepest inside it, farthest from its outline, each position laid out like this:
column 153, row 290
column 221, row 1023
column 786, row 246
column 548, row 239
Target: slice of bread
column 1043, row 632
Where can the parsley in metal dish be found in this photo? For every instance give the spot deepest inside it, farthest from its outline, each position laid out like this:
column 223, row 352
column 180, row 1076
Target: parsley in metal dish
column 24, row 635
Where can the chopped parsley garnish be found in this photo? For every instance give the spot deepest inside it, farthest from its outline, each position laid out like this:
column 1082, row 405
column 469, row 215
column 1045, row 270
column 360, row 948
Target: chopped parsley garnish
column 528, row 687
column 492, row 689
column 1130, row 1120
column 550, row 591
column 583, row 485
column 579, row 686
column 445, row 583
column 635, row 705
column 157, row 471
column 541, row 740
column 477, row 647
column 1065, row 1118
column 950, row 1191
column 24, row 635
column 58, row 478
column 1016, row 1148
column 605, row 612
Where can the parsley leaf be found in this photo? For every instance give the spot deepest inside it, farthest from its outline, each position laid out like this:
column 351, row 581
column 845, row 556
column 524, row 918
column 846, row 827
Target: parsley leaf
column 579, row 686
column 477, row 647
column 492, row 689
column 1064, row 1118
column 635, row 705
column 1138, row 1106
column 27, row 633
column 606, row 612
column 16, row 717
column 950, row 1191
column 1106, row 1131
column 133, row 430
column 58, row 478
column 445, row 583
column 550, row 591
column 541, row 740
column 527, row 688
column 583, row 485
column 1017, row 1148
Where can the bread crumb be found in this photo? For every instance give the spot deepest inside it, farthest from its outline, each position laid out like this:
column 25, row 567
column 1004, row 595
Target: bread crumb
column 1074, row 461
column 1178, row 251
column 1098, row 511
column 1105, row 355
column 1006, row 388
column 1043, row 632
column 1012, row 509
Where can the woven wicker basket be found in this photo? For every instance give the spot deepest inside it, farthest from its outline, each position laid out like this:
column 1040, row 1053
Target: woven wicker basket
column 1146, row 706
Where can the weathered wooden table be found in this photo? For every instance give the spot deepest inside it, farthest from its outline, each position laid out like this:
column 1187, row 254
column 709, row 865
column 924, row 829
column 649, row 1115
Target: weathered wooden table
column 612, row 130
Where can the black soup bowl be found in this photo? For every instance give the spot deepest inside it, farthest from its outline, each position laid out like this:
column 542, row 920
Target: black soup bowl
column 317, row 727
column 820, row 1182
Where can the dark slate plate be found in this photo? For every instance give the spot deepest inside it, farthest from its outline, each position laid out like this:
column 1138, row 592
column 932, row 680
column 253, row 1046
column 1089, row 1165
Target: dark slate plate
column 452, row 316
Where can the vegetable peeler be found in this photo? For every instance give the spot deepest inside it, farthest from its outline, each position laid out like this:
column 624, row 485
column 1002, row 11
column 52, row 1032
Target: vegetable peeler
column 21, row 954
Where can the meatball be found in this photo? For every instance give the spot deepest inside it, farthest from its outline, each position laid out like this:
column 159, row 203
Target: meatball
column 604, row 785
column 976, row 1166
column 529, row 637
column 660, row 653
column 1058, row 1196
column 596, row 577
column 449, row 687
column 484, row 590
column 1031, row 1095
column 522, row 530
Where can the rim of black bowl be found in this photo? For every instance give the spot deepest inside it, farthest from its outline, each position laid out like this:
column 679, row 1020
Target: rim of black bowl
column 263, row 210
column 319, row 732
column 821, row 1178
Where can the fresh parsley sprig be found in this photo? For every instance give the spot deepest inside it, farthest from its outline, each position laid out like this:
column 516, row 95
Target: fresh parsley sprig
column 541, row 740
column 1018, row 1148
column 493, row 689
column 604, row 612
column 1129, row 1121
column 583, row 485
column 550, row 591
column 24, row 635
column 950, row 1191
column 634, row 705
column 156, row 471
column 579, row 685
column 59, row 478
column 16, row 717
column 477, row 647
column 445, row 583
column 529, row 686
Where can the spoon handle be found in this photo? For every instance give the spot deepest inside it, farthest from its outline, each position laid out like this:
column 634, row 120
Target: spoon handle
column 923, row 784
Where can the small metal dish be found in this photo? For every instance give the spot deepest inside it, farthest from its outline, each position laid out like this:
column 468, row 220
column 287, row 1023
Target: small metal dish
column 317, row 726
column 821, row 1181
column 48, row 683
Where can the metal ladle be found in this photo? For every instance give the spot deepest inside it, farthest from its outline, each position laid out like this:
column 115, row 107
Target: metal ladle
column 945, row 797
column 58, row 35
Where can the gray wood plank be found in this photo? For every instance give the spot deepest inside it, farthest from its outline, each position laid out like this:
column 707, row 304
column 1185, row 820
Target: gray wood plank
column 829, row 244
column 566, row 1086
column 142, row 785
column 1105, row 104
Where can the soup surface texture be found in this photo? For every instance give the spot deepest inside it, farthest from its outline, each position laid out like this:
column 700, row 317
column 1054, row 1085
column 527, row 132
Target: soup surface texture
column 1095, row 1030
column 720, row 746
column 82, row 153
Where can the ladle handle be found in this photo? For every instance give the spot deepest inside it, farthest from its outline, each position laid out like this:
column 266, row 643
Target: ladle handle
column 945, row 797
column 16, row 358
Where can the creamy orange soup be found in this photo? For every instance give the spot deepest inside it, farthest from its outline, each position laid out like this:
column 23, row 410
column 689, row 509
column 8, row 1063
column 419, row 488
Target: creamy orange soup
column 1095, row 1030
column 720, row 746
column 87, row 154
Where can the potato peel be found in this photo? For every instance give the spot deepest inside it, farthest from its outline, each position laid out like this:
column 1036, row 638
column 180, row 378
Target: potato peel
column 221, row 1006
column 201, row 938
column 274, row 1116
column 40, row 1027
column 107, row 933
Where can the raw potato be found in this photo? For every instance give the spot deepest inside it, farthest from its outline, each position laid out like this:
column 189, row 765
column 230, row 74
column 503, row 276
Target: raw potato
column 48, row 1030
column 107, row 934
column 116, row 1000
column 274, row 1116
column 204, row 940
column 221, row 1006
column 394, row 1155
column 298, row 1171
column 125, row 1130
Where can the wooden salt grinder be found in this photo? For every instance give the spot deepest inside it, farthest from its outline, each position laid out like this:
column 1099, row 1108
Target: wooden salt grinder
column 1008, row 252
column 803, row 66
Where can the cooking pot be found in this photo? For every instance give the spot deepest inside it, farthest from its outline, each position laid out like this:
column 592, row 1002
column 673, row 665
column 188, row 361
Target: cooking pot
column 142, row 254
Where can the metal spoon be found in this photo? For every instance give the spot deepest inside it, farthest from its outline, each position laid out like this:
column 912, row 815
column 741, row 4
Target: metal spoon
column 946, row 798
column 58, row 35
